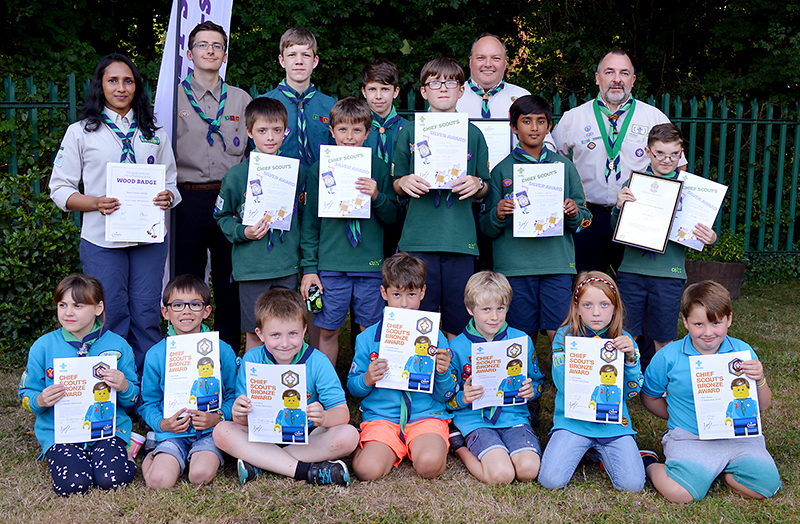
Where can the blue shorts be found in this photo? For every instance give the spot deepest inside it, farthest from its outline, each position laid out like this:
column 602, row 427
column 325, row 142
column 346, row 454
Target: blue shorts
column 444, row 287
column 513, row 440
column 659, row 296
column 539, row 302
column 695, row 463
column 182, row 448
column 339, row 290
column 250, row 290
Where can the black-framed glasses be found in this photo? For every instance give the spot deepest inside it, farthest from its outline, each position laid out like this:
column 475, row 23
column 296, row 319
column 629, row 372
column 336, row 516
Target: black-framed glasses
column 202, row 46
column 437, row 84
column 177, row 306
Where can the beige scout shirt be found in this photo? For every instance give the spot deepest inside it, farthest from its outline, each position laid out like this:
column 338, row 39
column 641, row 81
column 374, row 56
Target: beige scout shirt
column 199, row 162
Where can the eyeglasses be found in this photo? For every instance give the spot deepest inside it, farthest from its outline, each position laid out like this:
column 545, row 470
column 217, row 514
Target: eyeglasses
column 202, row 46
column 672, row 156
column 177, row 306
column 449, row 84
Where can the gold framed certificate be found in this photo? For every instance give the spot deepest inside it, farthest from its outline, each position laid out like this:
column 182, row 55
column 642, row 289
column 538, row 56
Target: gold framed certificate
column 646, row 222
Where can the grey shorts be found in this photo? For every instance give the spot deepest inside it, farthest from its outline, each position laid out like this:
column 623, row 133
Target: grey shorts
column 250, row 290
column 182, row 448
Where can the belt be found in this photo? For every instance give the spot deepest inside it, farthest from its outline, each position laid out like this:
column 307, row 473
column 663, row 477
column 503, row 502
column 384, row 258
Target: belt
column 211, row 186
column 599, row 206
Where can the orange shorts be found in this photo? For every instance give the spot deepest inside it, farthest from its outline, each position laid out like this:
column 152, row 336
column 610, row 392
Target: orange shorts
column 388, row 433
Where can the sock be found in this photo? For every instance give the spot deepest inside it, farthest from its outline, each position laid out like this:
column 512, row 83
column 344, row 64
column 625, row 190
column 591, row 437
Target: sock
column 647, row 460
column 301, row 473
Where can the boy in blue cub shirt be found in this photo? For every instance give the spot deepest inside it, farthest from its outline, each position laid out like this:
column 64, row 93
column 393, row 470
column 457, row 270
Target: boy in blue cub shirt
column 308, row 108
column 500, row 444
column 399, row 423
column 280, row 315
column 691, row 464
column 539, row 269
column 343, row 256
column 263, row 258
column 186, row 436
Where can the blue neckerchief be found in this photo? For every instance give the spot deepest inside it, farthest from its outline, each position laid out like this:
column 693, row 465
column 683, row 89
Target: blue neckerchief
column 485, row 112
column 125, row 138
column 353, row 231
column 300, row 358
column 382, row 126
column 171, row 330
column 83, row 346
column 306, row 155
column 490, row 415
column 590, row 333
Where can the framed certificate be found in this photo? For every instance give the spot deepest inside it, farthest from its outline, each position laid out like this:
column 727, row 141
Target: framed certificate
column 498, row 136
column 646, row 223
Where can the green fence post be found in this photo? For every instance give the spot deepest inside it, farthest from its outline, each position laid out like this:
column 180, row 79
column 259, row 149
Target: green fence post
column 751, row 171
column 253, row 92
column 34, row 121
column 411, row 98
column 762, row 219
column 737, row 152
column 573, row 101
column 707, row 144
column 723, row 138
column 72, row 112
column 776, row 230
column 10, row 114
column 793, row 193
column 692, row 133
column 557, row 104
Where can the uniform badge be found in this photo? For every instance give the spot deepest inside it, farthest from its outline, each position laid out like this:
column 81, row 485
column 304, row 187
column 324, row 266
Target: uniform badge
column 236, row 141
column 507, row 182
column 184, row 114
column 591, row 145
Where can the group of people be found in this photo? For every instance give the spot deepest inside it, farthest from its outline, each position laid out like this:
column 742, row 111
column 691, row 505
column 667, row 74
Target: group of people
column 549, row 284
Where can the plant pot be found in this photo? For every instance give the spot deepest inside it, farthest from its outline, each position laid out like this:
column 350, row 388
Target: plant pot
column 729, row 274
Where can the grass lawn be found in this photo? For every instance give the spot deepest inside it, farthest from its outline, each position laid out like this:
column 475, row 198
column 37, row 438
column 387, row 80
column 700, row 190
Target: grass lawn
column 765, row 316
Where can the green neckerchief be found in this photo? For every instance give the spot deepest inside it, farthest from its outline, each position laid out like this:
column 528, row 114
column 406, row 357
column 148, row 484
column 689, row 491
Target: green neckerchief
column 83, row 346
column 171, row 330
column 69, row 337
column 472, row 330
column 613, row 144
column 296, row 358
column 673, row 175
column 523, row 156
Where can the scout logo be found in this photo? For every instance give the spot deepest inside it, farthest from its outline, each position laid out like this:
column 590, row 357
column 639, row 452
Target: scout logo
column 640, row 152
column 609, row 352
column 205, row 346
column 639, row 129
column 99, row 369
column 514, row 350
column 424, row 325
column 236, row 141
column 507, row 182
column 290, row 379
column 735, row 367
column 184, row 114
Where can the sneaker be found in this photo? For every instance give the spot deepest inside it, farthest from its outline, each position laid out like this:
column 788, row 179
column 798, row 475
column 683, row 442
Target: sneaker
column 648, row 457
column 456, row 439
column 328, row 472
column 246, row 471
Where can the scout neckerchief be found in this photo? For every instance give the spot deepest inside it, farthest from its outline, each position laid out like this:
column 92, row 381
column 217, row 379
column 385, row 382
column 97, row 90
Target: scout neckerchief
column 270, row 236
column 83, row 346
column 353, row 231
column 383, row 128
column 405, row 396
column 490, row 415
column 306, row 155
column 213, row 125
column 613, row 142
column 590, row 333
column 126, row 138
column 521, row 155
column 300, row 358
column 171, row 329
column 485, row 113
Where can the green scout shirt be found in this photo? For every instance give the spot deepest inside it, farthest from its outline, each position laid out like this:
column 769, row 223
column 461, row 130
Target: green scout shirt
column 515, row 257
column 252, row 259
column 324, row 240
column 431, row 228
column 643, row 262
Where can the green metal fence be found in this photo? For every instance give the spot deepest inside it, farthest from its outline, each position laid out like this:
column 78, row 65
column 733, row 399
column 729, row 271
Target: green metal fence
column 752, row 148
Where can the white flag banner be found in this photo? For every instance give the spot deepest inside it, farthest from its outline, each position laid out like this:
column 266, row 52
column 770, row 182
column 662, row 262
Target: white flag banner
column 193, row 12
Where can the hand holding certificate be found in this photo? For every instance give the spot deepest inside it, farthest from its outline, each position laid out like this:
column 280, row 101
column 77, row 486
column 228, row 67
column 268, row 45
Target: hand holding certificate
column 501, row 368
column 271, row 188
column 277, row 395
column 87, row 411
column 138, row 219
column 593, row 380
column 408, row 343
column 340, row 167
column 440, row 148
column 646, row 222
column 539, row 197
column 699, row 204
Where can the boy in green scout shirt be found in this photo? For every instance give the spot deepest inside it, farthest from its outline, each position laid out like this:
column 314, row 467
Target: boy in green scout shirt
column 346, row 266
column 263, row 258
column 439, row 227
column 307, row 108
column 652, row 282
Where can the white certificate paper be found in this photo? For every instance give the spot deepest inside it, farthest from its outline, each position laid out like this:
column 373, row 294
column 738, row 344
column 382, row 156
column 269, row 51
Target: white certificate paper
column 646, row 223
column 699, row 203
column 138, row 219
column 498, row 136
column 192, row 373
column 408, row 343
column 539, row 198
column 500, row 367
column 88, row 410
column 271, row 189
column 725, row 400
column 277, row 396
column 593, row 380
column 339, row 168
column 440, row 148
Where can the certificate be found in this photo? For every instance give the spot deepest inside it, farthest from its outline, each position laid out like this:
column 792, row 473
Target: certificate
column 192, row 373
column 593, row 380
column 339, row 168
column 498, row 136
column 88, row 409
column 500, row 367
column 138, row 219
column 271, row 189
column 725, row 400
column 539, row 197
column 440, row 148
column 646, row 223
column 408, row 343
column 277, row 396
column 699, row 204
